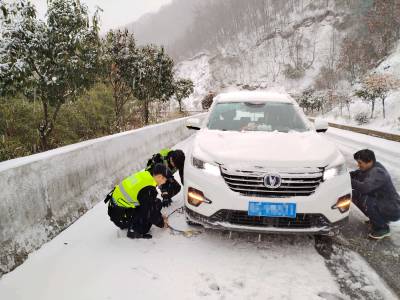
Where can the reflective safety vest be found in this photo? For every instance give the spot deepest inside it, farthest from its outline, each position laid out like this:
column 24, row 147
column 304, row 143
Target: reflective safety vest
column 164, row 153
column 125, row 193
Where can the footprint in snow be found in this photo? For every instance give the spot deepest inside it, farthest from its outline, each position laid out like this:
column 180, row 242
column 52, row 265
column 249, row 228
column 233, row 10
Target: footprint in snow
column 203, row 293
column 238, row 283
column 210, row 281
column 214, row 286
column 147, row 272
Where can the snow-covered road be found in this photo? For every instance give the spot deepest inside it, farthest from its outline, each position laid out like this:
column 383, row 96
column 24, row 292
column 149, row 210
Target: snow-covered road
column 94, row 260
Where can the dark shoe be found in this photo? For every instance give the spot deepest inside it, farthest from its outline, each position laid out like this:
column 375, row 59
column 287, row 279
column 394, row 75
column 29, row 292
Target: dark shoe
column 379, row 234
column 134, row 235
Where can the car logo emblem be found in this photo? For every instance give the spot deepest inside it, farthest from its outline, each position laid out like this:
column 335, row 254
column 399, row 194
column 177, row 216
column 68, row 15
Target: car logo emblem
column 272, row 181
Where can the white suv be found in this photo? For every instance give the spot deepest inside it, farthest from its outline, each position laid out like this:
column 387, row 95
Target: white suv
column 257, row 164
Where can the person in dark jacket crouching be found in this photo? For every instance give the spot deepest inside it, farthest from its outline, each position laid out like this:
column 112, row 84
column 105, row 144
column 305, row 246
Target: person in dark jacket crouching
column 133, row 204
column 374, row 193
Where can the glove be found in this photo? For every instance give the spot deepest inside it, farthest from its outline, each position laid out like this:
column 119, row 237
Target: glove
column 354, row 174
column 170, row 188
column 166, row 202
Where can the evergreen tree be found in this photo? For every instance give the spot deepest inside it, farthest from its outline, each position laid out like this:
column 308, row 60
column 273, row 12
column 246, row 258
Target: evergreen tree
column 305, row 100
column 207, row 101
column 120, row 63
column 368, row 96
column 53, row 60
column 183, row 89
column 154, row 77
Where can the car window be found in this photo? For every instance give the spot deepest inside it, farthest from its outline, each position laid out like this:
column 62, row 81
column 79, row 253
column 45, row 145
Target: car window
column 253, row 116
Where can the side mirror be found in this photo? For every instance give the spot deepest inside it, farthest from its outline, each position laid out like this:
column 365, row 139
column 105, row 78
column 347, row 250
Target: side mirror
column 321, row 125
column 193, row 123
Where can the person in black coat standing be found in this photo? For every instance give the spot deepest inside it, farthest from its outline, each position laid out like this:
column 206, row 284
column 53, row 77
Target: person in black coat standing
column 374, row 193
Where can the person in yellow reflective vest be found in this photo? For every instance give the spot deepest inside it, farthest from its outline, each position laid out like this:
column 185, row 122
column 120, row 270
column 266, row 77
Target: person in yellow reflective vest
column 175, row 161
column 133, row 203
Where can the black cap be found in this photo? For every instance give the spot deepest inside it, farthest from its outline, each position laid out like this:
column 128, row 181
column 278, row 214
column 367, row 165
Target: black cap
column 160, row 169
column 178, row 157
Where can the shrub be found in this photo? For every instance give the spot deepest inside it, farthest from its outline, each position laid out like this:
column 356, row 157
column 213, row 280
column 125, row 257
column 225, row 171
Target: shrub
column 207, row 101
column 362, row 118
column 293, row 73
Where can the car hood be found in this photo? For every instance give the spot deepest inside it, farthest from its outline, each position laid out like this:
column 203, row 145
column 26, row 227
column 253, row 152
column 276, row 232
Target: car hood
column 265, row 149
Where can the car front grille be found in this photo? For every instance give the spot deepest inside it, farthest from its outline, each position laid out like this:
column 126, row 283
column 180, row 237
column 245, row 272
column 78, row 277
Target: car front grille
column 294, row 182
column 242, row 218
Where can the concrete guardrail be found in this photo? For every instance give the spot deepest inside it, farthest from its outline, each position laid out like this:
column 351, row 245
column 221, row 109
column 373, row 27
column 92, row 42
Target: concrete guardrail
column 44, row 193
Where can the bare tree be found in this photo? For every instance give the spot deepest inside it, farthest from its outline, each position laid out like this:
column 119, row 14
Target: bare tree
column 379, row 85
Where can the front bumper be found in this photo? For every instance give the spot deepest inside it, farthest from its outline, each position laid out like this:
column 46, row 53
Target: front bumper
column 317, row 208
column 239, row 221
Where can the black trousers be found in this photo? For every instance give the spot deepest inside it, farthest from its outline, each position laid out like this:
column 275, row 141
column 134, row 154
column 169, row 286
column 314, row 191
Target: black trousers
column 368, row 204
column 120, row 216
column 128, row 218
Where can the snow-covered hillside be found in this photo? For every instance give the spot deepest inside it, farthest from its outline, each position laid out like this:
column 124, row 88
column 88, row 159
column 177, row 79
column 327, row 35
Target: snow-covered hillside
column 305, row 36
column 198, row 70
column 291, row 51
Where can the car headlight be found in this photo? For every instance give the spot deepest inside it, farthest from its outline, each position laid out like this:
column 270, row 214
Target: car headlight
column 206, row 166
column 331, row 172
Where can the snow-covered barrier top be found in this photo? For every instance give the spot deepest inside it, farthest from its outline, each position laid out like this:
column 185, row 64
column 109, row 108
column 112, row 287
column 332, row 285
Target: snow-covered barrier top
column 44, row 193
column 376, row 133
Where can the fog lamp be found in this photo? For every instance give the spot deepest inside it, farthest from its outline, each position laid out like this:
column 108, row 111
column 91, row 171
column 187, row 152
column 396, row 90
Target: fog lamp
column 196, row 197
column 343, row 203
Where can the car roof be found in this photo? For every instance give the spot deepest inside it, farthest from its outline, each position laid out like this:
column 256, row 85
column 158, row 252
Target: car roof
column 256, row 96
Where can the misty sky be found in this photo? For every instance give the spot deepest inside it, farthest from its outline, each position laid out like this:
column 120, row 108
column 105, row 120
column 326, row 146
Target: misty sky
column 115, row 12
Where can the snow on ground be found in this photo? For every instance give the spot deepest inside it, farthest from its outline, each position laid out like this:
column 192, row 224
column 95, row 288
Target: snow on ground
column 389, row 124
column 92, row 259
column 391, row 65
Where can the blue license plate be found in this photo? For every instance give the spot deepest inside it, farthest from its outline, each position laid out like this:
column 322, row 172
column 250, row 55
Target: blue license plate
column 272, row 209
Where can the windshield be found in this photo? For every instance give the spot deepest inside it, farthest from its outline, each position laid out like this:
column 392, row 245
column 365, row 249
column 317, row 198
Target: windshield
column 250, row 116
